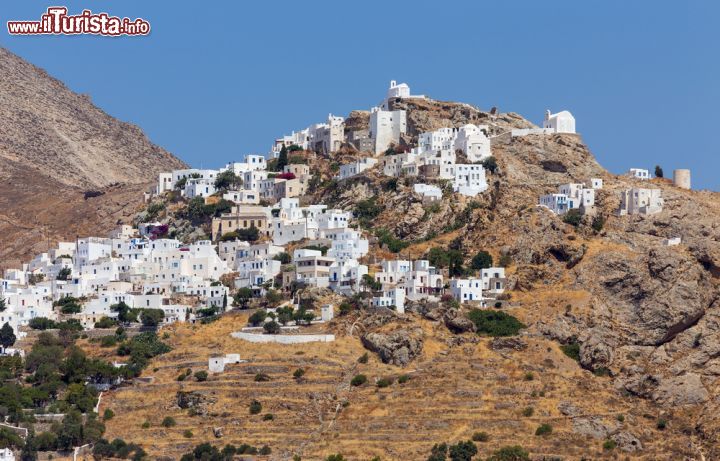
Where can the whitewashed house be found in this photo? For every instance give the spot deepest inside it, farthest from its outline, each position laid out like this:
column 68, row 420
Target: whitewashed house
column 639, row 173
column 641, row 201
column 469, row 180
column 199, row 187
column 473, row 141
column 493, row 280
column 557, row 203
column 355, row 168
column 391, row 297
column 467, row 290
column 429, row 192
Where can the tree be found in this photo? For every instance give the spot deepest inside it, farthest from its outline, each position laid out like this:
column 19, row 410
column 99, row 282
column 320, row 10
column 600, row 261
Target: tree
column 283, row 257
column 125, row 313
column 452, row 259
column 152, row 317
column 7, row 336
column 257, row 317
column 242, row 297
column 250, row 234
column 282, row 160
column 438, row 452
column 272, row 327
column 64, row 274
column 369, row 282
column 490, row 164
column 659, row 172
column 482, row 260
column 227, row 180
column 463, row 451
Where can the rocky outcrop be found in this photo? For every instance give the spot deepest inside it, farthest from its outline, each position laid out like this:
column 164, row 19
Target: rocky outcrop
column 398, row 347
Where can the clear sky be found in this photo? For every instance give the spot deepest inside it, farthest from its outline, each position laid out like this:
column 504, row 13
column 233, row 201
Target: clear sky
column 216, row 80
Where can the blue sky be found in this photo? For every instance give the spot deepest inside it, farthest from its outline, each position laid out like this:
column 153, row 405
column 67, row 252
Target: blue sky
column 214, row 82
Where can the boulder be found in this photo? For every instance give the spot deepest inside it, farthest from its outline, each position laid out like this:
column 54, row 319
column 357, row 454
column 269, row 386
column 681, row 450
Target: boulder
column 686, row 389
column 508, row 343
column 626, row 441
column 398, row 347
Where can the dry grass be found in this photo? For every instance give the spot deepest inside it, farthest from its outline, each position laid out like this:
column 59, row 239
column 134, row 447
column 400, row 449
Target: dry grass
column 454, row 392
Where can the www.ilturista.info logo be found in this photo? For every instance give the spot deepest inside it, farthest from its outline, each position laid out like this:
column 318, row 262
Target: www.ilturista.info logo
column 57, row 22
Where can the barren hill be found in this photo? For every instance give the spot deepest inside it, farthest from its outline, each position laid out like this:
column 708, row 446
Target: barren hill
column 55, row 145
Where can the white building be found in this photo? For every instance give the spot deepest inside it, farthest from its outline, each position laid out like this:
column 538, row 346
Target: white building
column 327, row 137
column 562, row 122
column 429, row 192
column 473, row 141
column 249, row 163
column 596, row 183
column 639, row 173
column 641, row 201
column 493, row 280
column 355, row 168
column 199, row 187
column 242, row 197
column 469, row 179
column 434, row 141
column 557, row 203
column 391, row 297
column 386, row 127
column 467, row 290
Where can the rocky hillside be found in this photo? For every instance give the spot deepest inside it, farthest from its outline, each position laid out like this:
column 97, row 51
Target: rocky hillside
column 620, row 355
column 54, row 146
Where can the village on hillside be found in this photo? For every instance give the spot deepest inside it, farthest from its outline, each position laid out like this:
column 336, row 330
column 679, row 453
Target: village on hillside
column 140, row 274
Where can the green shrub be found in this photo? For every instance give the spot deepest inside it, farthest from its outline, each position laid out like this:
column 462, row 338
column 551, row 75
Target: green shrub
column 106, row 322
column 529, row 376
column 268, row 417
column 463, row 451
column 364, row 358
column 265, row 450
column 481, row 437
column 572, row 350
column 358, row 380
column 402, row 379
column 255, row 407
column 168, row 421
column 261, row 378
column 609, row 444
column 187, row 434
column 495, row 323
column 201, row 375
column 598, row 223
column 145, row 425
column 621, row 418
column 108, row 414
column 573, row 217
column 335, row 457
column 384, row 382
column 543, row 429
column 528, row 411
column 511, row 453
column 299, row 373
column 661, row 424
